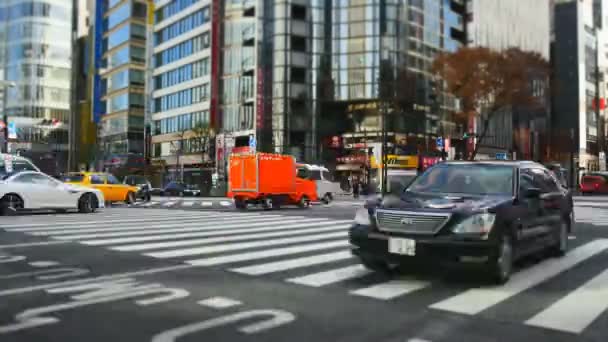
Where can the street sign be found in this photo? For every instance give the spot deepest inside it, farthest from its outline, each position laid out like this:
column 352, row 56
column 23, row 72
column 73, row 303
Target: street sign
column 439, row 142
column 501, row 156
column 8, row 163
column 252, row 143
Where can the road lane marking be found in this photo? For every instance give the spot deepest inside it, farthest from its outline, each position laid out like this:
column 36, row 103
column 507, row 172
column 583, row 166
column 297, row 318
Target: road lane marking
column 576, row 311
column 195, row 242
column 211, row 226
column 474, row 301
column 290, row 264
column 234, row 258
column 391, row 289
column 225, row 203
column 109, row 277
column 149, row 204
column 219, row 302
column 162, row 237
column 207, row 204
column 331, row 276
column 168, row 204
column 43, row 263
column 166, row 227
column 245, row 245
column 187, row 204
column 33, row 244
column 15, row 228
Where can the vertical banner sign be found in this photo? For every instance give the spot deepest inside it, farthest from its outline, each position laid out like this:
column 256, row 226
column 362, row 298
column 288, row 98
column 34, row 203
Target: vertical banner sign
column 216, row 23
column 471, row 129
column 12, row 130
column 98, row 110
column 259, row 119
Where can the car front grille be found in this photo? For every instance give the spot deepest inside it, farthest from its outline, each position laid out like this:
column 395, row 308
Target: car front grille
column 410, row 222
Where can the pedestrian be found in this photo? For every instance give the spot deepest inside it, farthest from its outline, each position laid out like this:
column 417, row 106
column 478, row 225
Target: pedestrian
column 355, row 188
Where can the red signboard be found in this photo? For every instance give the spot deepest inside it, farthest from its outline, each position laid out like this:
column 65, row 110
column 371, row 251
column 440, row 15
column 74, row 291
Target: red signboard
column 427, row 162
column 352, row 160
column 215, row 62
column 471, row 140
column 335, row 142
column 241, row 149
column 260, row 99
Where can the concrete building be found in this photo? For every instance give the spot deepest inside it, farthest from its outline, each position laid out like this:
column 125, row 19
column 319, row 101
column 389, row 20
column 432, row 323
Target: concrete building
column 119, row 84
column 36, row 54
column 182, row 85
column 579, row 65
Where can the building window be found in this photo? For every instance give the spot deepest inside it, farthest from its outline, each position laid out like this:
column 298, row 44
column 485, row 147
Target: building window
column 298, row 75
column 182, row 50
column 182, row 26
column 184, row 73
column 298, row 12
column 172, row 8
column 298, row 43
column 182, row 98
column 181, row 123
column 119, row 15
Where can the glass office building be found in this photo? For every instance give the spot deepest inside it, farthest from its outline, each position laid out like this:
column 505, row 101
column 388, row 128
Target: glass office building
column 35, row 53
column 181, row 75
column 119, row 101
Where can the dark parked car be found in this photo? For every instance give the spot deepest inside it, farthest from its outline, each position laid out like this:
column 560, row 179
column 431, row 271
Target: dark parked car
column 145, row 188
column 181, row 189
column 485, row 213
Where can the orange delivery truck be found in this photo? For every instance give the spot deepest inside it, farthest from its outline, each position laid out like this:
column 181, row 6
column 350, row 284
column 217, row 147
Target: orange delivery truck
column 269, row 180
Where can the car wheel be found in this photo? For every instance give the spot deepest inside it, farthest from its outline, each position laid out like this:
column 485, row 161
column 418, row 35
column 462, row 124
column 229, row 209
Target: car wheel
column 560, row 248
column 130, row 198
column 375, row 264
column 326, row 199
column 267, row 203
column 240, row 204
column 501, row 264
column 86, row 204
column 10, row 203
column 147, row 197
column 181, row 194
column 304, row 202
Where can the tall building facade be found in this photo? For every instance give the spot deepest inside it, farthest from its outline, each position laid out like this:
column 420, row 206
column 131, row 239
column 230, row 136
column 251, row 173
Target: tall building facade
column 381, row 56
column 119, row 84
column 579, row 62
column 500, row 25
column 36, row 54
column 182, row 83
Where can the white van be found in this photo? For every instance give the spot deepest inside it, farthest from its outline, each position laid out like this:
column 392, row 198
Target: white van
column 326, row 187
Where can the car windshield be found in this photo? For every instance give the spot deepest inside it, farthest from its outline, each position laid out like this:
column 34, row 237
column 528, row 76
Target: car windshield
column 15, row 167
column 470, row 179
column 72, row 178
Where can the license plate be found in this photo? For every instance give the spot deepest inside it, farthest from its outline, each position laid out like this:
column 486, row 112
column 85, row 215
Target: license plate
column 402, row 246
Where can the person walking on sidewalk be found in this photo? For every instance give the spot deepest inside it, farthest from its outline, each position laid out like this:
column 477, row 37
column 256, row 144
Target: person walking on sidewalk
column 355, row 188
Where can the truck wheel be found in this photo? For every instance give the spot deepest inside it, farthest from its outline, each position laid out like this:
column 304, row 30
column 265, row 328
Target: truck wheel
column 304, row 202
column 240, row 204
column 267, row 203
column 326, row 199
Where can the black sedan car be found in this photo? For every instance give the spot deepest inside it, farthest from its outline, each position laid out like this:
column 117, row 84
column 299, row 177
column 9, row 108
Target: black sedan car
column 145, row 188
column 181, row 189
column 485, row 213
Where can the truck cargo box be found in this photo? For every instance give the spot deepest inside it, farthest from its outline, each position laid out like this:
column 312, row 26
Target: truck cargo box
column 261, row 174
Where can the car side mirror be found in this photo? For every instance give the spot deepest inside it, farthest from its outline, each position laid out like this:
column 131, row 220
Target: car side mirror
column 532, row 193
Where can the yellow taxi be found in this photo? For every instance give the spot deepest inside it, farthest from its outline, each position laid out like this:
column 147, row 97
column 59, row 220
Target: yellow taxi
column 113, row 190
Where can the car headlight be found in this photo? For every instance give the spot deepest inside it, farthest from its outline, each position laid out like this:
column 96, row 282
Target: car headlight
column 476, row 224
column 362, row 217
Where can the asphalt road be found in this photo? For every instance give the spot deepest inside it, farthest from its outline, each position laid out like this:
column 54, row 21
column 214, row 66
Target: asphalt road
column 144, row 274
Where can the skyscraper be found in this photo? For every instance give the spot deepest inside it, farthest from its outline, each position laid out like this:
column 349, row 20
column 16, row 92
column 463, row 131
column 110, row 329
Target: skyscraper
column 35, row 53
column 119, row 83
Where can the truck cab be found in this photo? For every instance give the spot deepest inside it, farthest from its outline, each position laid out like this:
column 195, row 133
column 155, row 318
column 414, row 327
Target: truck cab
column 326, row 188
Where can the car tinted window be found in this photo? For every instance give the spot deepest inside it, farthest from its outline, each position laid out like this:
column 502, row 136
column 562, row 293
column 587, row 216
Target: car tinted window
column 19, row 165
column 474, row 179
column 526, row 180
column 72, row 178
column 26, row 178
column 327, row 176
column 43, row 180
column 315, row 175
column 98, row 179
column 113, row 180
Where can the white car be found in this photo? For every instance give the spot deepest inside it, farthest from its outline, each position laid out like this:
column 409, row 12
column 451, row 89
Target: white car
column 31, row 190
column 326, row 189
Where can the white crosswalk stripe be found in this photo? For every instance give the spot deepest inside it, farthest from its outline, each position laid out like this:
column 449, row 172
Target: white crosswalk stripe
column 314, row 252
column 591, row 215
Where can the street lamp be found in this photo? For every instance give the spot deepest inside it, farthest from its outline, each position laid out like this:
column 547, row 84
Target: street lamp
column 5, row 85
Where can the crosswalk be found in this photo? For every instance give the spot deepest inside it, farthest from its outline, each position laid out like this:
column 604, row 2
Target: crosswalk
column 313, row 252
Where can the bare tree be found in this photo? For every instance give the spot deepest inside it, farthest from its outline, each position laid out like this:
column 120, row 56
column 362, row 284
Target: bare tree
column 487, row 81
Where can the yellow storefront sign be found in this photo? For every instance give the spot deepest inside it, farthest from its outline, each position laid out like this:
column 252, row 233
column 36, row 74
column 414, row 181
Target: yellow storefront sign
column 396, row 162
